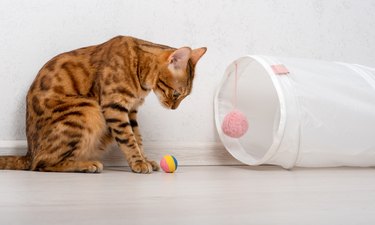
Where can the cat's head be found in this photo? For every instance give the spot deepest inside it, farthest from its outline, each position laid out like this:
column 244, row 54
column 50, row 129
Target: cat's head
column 176, row 75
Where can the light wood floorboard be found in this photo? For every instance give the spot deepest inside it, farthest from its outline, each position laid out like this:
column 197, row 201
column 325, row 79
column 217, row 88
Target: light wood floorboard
column 193, row 195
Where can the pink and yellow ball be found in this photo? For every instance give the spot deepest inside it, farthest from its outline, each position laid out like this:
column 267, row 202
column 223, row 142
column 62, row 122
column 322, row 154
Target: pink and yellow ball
column 169, row 163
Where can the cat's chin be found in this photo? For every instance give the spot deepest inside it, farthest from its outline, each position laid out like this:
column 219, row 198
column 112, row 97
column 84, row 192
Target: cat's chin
column 165, row 105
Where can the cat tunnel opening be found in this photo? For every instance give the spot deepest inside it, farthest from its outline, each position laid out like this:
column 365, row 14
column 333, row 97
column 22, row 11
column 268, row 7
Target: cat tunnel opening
column 258, row 99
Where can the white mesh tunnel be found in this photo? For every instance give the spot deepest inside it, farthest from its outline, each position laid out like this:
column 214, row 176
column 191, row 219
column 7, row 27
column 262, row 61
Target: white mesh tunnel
column 319, row 114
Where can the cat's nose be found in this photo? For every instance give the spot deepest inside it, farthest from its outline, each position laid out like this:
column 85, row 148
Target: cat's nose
column 175, row 105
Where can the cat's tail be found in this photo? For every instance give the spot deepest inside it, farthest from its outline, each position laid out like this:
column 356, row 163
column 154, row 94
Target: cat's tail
column 14, row 163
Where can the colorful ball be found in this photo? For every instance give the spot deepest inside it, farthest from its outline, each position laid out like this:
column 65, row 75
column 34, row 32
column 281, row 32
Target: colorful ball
column 169, row 163
column 235, row 124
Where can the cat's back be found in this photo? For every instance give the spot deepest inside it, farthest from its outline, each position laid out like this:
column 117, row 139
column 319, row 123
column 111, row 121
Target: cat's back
column 73, row 73
column 65, row 74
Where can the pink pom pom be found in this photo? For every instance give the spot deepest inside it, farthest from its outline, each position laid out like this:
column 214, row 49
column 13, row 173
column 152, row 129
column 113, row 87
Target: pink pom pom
column 235, row 124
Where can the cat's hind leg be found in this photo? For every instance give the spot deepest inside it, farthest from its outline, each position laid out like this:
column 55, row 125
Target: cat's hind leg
column 70, row 141
column 73, row 166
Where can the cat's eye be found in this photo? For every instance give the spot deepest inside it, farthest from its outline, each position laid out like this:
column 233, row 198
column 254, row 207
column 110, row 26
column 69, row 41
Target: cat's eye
column 176, row 94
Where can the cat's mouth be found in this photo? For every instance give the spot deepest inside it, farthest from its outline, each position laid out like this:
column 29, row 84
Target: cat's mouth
column 167, row 105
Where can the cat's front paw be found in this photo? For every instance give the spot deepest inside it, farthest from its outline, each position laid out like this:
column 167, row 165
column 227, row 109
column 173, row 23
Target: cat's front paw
column 155, row 165
column 141, row 167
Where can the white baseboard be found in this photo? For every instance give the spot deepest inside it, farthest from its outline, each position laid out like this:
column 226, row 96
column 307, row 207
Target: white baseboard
column 191, row 153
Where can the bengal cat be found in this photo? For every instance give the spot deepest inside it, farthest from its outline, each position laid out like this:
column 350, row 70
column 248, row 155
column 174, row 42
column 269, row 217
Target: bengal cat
column 83, row 100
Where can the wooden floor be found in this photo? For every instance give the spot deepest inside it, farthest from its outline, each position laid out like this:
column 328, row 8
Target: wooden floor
column 193, row 195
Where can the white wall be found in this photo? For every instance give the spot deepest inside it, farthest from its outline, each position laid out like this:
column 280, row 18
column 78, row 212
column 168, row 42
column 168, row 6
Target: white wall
column 33, row 31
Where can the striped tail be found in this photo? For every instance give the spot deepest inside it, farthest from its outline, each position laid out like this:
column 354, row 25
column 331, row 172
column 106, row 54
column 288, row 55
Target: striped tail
column 14, row 163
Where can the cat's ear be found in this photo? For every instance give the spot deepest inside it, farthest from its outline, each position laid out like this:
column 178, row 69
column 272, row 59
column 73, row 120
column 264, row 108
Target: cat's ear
column 180, row 58
column 196, row 54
